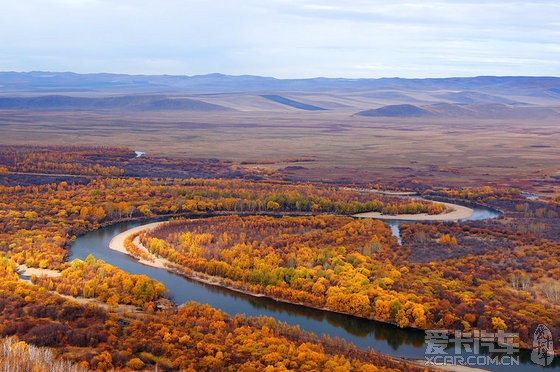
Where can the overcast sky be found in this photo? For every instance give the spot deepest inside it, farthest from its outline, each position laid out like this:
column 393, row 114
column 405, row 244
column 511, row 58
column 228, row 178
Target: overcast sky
column 283, row 38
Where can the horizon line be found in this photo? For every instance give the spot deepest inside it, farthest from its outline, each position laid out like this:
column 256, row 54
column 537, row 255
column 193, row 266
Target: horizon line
column 278, row 78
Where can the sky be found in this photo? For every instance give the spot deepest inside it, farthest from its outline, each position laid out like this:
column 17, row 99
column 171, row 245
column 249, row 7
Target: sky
column 283, row 38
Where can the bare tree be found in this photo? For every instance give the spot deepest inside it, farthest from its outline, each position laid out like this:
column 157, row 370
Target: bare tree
column 17, row 356
column 551, row 290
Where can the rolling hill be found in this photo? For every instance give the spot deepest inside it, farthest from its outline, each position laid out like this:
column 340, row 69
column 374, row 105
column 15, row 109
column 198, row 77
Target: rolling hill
column 396, row 111
column 130, row 102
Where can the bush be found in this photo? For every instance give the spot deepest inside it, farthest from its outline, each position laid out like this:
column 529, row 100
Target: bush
column 135, row 364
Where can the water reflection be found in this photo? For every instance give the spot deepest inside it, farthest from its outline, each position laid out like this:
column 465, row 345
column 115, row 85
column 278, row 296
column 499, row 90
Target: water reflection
column 362, row 332
column 395, row 226
column 385, row 338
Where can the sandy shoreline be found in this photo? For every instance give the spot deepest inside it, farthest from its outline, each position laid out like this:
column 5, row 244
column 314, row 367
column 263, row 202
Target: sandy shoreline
column 383, row 192
column 117, row 244
column 458, row 212
column 23, row 270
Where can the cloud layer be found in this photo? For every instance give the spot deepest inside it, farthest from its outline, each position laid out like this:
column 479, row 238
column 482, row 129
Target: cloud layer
column 283, row 38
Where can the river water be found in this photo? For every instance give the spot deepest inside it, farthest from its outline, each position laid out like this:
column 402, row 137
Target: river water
column 384, row 338
column 479, row 213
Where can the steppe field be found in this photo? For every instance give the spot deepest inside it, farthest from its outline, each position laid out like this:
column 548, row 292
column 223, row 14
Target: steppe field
column 491, row 131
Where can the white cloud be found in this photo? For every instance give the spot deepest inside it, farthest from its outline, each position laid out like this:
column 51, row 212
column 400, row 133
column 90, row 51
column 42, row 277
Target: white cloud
column 282, row 37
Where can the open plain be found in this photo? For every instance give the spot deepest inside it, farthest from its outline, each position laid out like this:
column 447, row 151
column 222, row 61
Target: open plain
column 472, row 131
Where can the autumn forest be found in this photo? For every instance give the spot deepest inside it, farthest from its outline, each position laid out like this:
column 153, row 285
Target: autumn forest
column 252, row 230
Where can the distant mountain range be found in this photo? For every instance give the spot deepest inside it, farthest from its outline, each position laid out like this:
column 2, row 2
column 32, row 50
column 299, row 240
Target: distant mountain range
column 219, row 83
column 477, row 97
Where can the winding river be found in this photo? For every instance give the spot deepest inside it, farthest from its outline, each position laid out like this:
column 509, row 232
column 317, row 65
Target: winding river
column 479, row 213
column 384, row 338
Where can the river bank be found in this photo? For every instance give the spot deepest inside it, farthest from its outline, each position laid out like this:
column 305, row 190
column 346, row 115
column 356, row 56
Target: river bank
column 456, row 212
column 408, row 343
column 383, row 192
column 117, row 244
column 23, row 270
